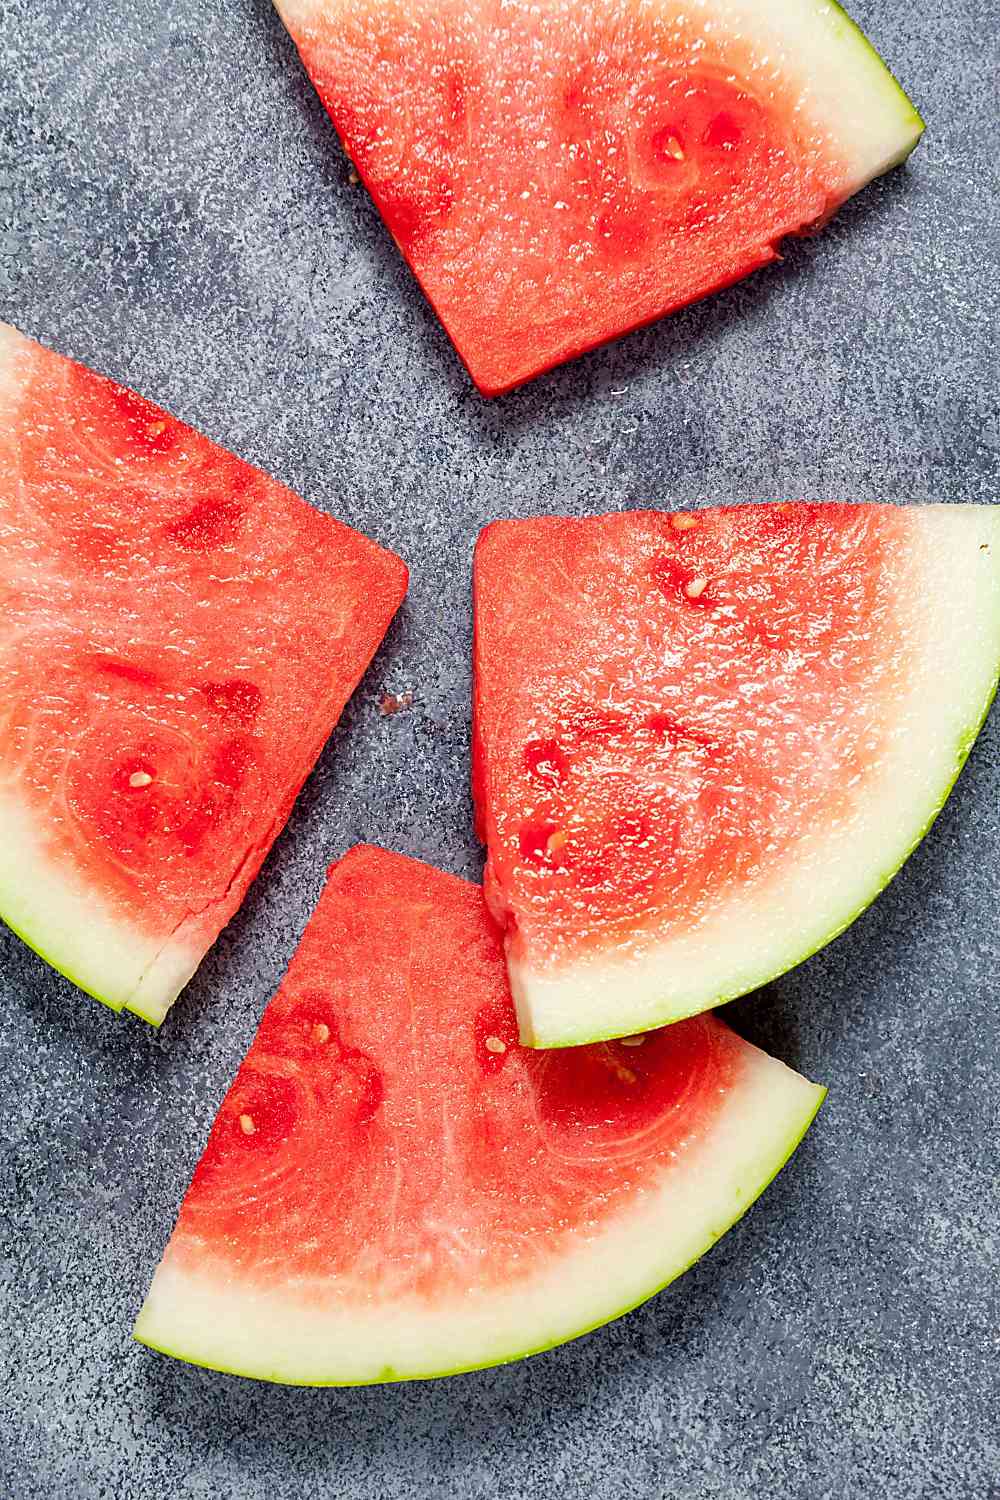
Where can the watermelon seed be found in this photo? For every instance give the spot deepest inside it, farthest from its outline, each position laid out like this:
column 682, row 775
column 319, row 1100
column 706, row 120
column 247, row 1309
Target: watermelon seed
column 556, row 841
column 494, row 1044
column 696, row 588
column 247, row 1125
column 321, row 1031
column 623, row 1074
column 673, row 147
column 632, row 1041
column 140, row 778
column 683, row 522
column 546, row 760
column 155, row 428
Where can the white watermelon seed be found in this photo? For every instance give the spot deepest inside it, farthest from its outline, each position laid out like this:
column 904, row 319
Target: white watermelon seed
column 494, row 1044
column 247, row 1125
column 632, row 1041
column 139, row 778
column 683, row 522
column 696, row 588
column 321, row 1031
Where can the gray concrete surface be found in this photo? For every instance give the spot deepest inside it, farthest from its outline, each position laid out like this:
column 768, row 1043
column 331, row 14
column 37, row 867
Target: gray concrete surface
column 173, row 210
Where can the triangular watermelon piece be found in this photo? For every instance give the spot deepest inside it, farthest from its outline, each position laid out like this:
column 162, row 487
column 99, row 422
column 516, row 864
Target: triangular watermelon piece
column 556, row 174
column 180, row 634
column 394, row 1188
column 705, row 741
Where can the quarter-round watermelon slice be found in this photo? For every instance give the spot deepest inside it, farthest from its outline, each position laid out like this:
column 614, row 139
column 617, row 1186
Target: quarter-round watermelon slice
column 705, row 741
column 394, row 1188
column 178, row 636
column 557, row 172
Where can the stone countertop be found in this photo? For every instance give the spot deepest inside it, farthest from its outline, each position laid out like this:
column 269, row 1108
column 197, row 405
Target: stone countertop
column 174, row 211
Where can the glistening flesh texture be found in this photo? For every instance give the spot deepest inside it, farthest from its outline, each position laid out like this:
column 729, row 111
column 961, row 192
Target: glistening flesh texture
column 394, row 1188
column 705, row 741
column 180, row 635
column 559, row 173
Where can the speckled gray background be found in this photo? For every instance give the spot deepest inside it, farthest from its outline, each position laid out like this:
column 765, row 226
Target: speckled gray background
column 174, row 210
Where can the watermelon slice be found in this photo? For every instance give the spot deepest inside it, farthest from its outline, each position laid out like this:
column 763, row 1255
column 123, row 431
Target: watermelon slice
column 557, row 174
column 393, row 1188
column 179, row 635
column 705, row 741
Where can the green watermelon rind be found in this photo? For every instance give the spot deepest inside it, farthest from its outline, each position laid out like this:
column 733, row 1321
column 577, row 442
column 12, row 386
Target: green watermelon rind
column 85, row 940
column 772, row 1157
column 153, row 1015
column 36, row 895
column 909, row 114
column 154, row 1018
column 117, row 1006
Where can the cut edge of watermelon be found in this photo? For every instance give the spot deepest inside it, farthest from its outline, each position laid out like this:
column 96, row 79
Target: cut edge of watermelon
column 222, row 1323
column 83, row 940
column 950, row 698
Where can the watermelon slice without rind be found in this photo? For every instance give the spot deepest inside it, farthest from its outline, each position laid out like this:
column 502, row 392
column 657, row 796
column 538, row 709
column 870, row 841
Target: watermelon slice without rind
column 704, row 742
column 179, row 636
column 393, row 1188
column 559, row 173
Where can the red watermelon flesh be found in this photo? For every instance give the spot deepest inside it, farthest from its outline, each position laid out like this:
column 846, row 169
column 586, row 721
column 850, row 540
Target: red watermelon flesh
column 704, row 741
column 181, row 634
column 393, row 1187
column 559, row 173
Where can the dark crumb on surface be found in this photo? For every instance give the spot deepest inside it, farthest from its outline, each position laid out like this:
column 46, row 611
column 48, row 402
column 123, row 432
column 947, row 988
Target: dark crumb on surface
column 394, row 703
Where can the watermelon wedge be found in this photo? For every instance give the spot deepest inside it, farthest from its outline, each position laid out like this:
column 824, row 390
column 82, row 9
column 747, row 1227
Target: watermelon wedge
column 705, row 741
column 557, row 174
column 178, row 636
column 393, row 1188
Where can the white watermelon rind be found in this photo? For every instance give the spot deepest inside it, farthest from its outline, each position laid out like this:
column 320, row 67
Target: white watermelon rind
column 846, row 87
column 955, row 603
column 220, row 1322
column 104, row 956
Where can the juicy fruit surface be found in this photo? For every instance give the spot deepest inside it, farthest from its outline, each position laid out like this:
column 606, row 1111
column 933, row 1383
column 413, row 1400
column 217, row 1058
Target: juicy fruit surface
column 387, row 1137
column 682, row 695
column 671, row 710
column 559, row 174
column 180, row 634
